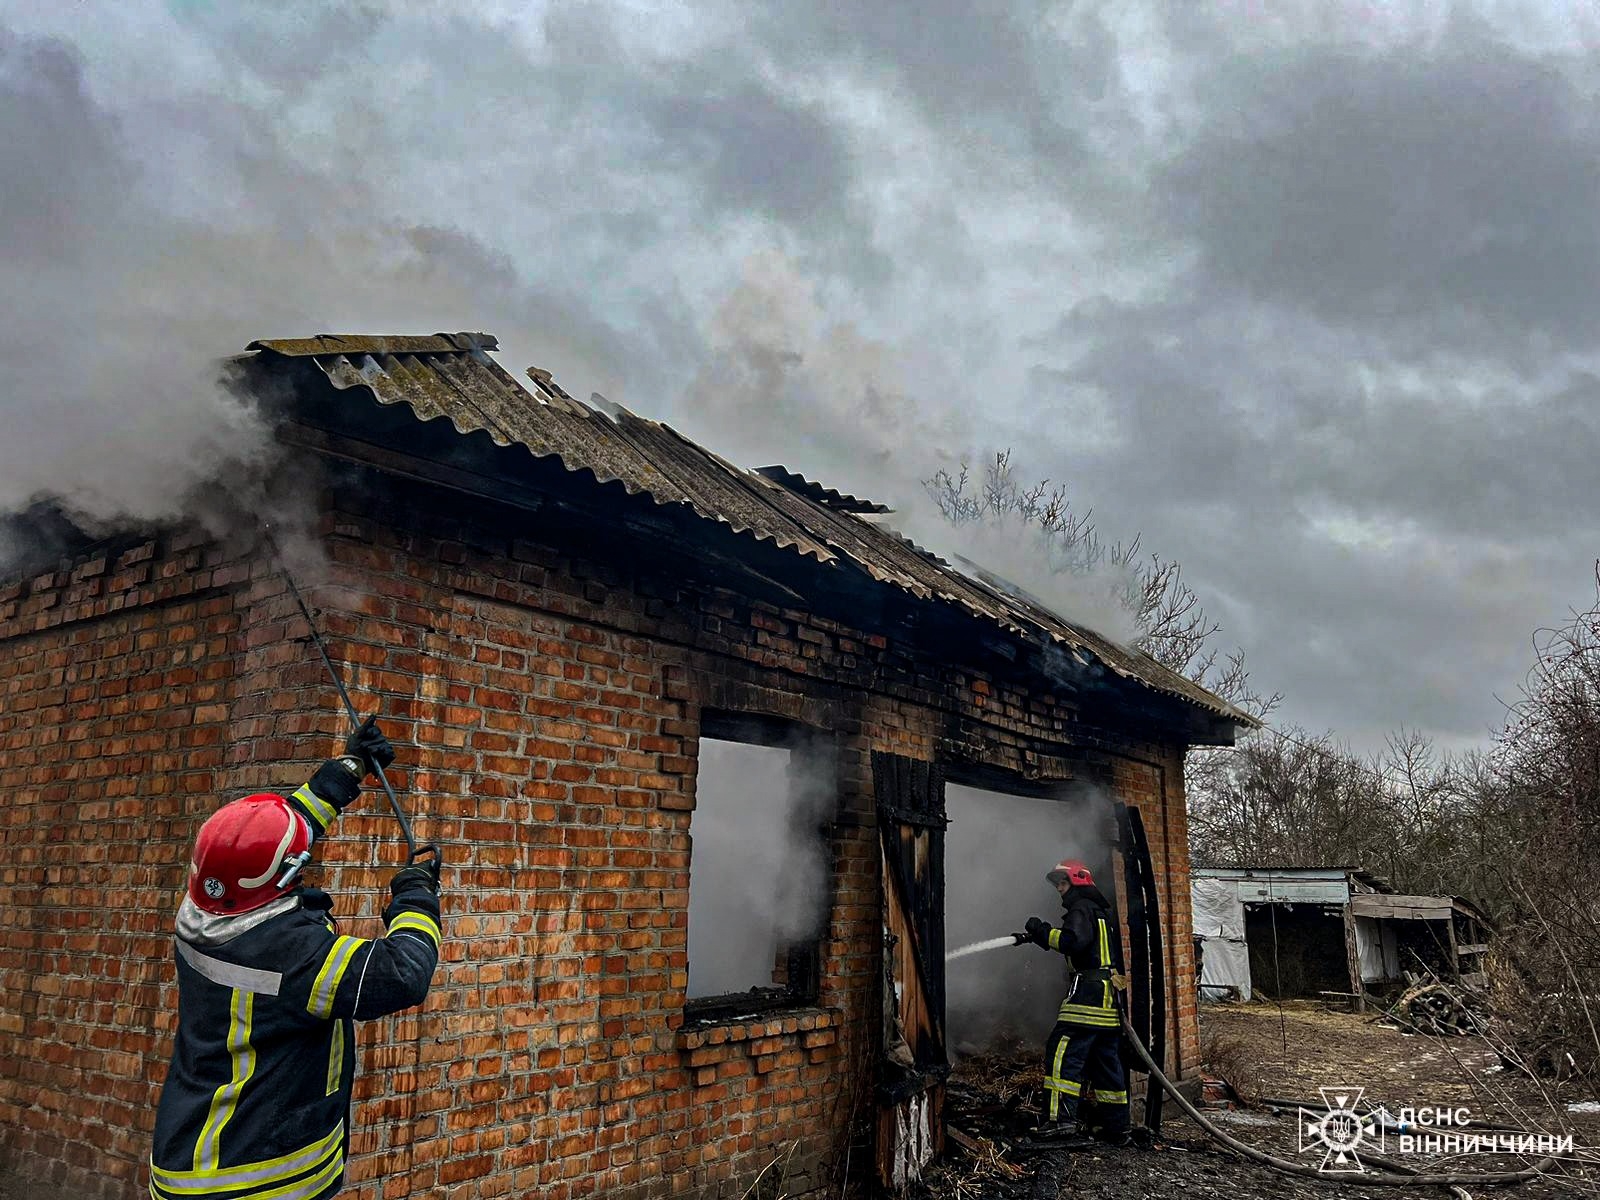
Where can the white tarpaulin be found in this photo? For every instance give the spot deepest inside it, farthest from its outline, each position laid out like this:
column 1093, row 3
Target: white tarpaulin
column 1375, row 944
column 1225, row 969
column 1218, row 911
column 1219, row 924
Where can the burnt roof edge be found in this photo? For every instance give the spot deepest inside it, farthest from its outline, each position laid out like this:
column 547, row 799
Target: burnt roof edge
column 1181, row 690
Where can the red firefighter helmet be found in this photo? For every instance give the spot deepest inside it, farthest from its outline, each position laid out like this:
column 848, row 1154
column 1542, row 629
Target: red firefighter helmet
column 1072, row 871
column 248, row 854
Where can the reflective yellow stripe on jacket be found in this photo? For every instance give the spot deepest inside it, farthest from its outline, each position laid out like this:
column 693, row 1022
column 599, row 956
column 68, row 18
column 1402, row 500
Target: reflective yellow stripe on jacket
column 1092, row 1001
column 321, row 811
column 320, row 1003
column 421, row 922
column 265, row 1180
column 1083, row 1014
column 208, row 1149
column 335, row 1058
column 1104, row 946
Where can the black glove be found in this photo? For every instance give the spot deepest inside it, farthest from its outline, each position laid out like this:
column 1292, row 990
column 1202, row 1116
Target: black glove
column 1038, row 932
column 370, row 746
column 418, row 876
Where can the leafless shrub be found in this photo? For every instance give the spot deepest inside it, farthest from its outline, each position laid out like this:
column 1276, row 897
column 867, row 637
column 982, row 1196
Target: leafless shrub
column 1227, row 1058
column 1174, row 628
column 1546, row 774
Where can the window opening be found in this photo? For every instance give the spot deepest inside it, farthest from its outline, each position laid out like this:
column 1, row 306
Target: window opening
column 760, row 878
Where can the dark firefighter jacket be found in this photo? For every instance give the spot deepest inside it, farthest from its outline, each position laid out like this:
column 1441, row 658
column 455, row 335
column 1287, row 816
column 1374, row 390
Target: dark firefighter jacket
column 1088, row 937
column 256, row 1102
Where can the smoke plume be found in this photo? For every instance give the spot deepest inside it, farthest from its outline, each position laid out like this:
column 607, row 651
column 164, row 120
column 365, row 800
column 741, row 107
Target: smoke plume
column 784, row 384
column 143, row 245
column 759, row 871
column 156, row 223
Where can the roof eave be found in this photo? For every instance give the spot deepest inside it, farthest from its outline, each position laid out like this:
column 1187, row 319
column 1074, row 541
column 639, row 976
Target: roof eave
column 450, row 377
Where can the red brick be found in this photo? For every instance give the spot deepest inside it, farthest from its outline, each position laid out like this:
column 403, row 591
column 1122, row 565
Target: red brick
column 550, row 1058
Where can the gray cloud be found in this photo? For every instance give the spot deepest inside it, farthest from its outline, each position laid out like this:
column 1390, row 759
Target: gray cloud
column 1307, row 301
column 1449, row 189
column 756, row 152
column 1381, row 540
column 1354, row 393
column 1006, row 86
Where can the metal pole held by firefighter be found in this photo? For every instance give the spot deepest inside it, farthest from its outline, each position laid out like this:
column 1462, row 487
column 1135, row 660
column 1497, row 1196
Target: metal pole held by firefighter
column 414, row 852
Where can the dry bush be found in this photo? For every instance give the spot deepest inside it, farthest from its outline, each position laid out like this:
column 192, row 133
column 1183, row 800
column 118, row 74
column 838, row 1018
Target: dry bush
column 1543, row 1019
column 1547, row 804
column 1227, row 1058
column 1531, row 1033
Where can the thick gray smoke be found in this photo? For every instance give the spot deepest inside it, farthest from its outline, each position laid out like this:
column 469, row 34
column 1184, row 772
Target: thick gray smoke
column 110, row 397
column 759, row 872
column 786, row 385
column 143, row 243
column 236, row 179
column 998, row 849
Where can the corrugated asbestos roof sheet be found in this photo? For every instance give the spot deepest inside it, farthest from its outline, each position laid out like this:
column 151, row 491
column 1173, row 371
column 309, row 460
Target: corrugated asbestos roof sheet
column 825, row 496
column 451, row 376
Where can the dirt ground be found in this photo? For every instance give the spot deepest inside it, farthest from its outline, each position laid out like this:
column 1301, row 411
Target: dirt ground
column 1267, row 1054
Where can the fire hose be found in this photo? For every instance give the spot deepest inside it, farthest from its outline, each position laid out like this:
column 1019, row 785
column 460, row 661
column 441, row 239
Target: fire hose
column 413, row 851
column 1394, row 1175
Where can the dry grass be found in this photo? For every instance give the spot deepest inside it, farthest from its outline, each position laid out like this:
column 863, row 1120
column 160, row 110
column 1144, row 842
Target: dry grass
column 769, row 1184
column 973, row 1168
column 1009, row 1073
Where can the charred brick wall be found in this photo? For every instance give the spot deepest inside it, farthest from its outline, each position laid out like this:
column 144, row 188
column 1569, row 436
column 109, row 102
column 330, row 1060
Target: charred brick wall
column 548, row 702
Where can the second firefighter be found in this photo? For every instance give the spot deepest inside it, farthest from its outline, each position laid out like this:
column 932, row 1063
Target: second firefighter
column 1083, row 1056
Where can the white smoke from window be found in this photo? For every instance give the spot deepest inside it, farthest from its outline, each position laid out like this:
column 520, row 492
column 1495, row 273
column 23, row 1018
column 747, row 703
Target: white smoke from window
column 758, row 871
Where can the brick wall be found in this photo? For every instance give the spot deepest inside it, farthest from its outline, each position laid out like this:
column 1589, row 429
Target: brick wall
column 549, row 705
column 116, row 682
column 1155, row 785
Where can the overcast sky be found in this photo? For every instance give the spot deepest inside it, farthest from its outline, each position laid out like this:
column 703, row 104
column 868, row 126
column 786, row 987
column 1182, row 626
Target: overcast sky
column 1310, row 300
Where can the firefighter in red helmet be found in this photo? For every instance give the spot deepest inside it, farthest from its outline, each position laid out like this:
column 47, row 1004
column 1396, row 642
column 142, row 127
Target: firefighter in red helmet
column 256, row 1103
column 1083, row 1056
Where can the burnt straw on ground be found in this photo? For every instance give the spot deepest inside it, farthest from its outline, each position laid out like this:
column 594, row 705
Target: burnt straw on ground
column 1270, row 1054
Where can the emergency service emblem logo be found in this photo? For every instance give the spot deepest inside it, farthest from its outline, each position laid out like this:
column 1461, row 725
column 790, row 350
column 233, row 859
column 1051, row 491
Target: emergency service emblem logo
column 214, row 888
column 1339, row 1130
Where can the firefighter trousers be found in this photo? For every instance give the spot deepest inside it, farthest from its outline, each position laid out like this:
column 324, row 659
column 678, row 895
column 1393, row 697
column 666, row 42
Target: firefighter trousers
column 1083, row 1060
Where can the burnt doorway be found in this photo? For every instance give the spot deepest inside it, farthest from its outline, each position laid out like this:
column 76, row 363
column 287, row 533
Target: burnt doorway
column 913, row 1063
column 1002, row 841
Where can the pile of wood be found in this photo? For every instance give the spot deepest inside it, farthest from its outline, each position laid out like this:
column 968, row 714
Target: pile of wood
column 1439, row 1009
